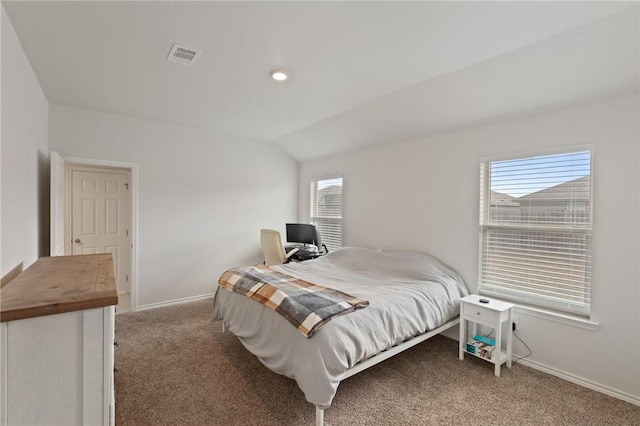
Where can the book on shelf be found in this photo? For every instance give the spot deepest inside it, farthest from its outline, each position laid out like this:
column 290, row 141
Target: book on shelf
column 481, row 349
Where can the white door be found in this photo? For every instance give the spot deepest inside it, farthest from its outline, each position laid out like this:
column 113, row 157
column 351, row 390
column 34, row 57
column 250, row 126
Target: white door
column 100, row 218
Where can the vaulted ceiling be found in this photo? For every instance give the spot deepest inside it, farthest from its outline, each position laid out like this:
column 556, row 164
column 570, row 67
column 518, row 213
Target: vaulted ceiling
column 361, row 73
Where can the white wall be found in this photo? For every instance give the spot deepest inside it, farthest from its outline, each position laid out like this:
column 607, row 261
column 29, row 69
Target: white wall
column 202, row 198
column 24, row 152
column 423, row 195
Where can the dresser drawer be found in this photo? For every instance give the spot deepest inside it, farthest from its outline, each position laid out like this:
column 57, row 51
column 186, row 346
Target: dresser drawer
column 479, row 313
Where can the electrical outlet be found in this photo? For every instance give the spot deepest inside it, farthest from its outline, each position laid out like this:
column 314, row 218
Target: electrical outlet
column 514, row 323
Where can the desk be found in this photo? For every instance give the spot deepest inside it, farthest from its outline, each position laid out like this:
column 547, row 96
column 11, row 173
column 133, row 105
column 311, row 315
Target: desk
column 303, row 254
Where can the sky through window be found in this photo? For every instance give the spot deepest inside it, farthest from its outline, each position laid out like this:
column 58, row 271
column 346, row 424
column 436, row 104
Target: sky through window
column 521, row 177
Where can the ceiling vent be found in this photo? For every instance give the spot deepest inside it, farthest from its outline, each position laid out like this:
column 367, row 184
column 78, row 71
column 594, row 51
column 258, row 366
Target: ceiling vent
column 182, row 55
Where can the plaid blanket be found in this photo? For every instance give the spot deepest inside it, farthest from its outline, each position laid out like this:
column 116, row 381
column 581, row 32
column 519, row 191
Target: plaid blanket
column 305, row 305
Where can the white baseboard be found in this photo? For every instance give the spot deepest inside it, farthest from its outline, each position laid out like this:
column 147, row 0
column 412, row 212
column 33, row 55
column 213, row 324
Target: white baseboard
column 635, row 400
column 581, row 381
column 175, row 302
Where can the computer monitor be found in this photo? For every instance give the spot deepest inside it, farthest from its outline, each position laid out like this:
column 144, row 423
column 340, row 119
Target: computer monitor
column 301, row 233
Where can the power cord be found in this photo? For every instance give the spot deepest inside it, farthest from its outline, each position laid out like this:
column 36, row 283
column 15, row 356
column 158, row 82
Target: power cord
column 515, row 361
column 490, row 334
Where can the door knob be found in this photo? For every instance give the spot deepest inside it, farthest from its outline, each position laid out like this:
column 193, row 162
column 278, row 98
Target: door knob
column 77, row 240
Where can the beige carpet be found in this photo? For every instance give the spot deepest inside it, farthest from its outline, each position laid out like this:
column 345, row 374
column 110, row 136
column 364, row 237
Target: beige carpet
column 176, row 367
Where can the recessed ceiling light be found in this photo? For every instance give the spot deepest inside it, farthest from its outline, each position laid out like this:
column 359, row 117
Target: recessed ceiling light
column 278, row 75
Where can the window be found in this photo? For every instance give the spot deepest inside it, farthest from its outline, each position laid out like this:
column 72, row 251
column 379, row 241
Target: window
column 326, row 210
column 535, row 231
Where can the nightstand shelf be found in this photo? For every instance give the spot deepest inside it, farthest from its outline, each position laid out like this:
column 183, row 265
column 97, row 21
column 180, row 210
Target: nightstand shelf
column 503, row 357
column 491, row 314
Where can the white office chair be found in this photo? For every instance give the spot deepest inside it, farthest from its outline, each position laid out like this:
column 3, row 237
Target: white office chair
column 273, row 249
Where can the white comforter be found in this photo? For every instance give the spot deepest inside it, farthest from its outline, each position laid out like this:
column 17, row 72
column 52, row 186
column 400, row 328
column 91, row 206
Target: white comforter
column 409, row 293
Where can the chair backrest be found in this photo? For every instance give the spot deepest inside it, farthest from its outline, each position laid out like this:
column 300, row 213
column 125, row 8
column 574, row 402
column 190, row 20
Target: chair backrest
column 272, row 248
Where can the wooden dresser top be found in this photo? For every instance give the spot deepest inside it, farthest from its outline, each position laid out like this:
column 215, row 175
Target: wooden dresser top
column 53, row 285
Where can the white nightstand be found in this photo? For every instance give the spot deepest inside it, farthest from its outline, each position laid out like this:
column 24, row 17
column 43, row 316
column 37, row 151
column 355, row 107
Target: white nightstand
column 491, row 314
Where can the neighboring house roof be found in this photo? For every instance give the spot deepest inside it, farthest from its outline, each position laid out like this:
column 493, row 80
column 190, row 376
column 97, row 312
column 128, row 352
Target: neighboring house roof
column 333, row 189
column 330, row 201
column 506, row 200
column 576, row 190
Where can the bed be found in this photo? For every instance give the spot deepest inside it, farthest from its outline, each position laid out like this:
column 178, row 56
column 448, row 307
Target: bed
column 412, row 296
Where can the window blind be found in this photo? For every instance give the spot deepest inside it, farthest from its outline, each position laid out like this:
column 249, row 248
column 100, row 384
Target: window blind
column 535, row 230
column 326, row 210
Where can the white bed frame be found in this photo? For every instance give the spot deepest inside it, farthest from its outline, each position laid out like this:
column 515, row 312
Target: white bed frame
column 384, row 355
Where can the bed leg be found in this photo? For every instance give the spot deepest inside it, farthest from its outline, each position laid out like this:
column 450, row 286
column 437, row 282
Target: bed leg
column 319, row 416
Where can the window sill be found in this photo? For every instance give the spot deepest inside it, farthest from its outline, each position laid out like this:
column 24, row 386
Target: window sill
column 556, row 317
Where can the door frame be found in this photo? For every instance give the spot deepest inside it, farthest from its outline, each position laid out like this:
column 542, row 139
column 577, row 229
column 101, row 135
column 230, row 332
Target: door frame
column 58, row 195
